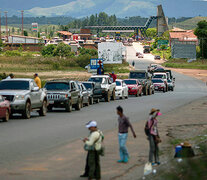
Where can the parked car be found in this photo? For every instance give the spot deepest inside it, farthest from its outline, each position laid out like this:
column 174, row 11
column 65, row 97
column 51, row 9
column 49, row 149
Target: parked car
column 121, row 89
column 95, row 91
column 108, row 87
column 4, row 109
column 85, row 100
column 63, row 94
column 134, row 87
column 159, row 85
column 163, row 76
column 141, row 55
column 157, row 57
column 170, row 84
column 145, row 78
column 24, row 96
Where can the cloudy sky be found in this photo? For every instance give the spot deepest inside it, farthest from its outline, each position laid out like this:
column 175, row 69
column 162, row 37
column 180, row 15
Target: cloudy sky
column 79, row 8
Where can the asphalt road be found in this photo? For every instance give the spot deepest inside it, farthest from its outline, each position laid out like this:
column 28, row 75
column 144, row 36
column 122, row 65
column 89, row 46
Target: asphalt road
column 21, row 139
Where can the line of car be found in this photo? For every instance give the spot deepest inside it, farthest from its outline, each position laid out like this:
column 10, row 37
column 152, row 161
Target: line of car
column 23, row 96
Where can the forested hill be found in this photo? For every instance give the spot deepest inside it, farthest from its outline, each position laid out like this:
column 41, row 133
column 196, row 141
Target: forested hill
column 97, row 19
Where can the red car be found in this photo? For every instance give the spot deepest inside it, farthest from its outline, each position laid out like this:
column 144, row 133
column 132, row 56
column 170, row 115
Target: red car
column 134, row 87
column 4, row 109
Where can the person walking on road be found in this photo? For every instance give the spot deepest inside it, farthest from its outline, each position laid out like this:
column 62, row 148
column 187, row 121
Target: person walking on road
column 153, row 137
column 124, row 125
column 93, row 145
column 37, row 80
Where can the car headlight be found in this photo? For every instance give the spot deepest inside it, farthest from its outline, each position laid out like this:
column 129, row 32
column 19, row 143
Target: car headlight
column 133, row 88
column 19, row 97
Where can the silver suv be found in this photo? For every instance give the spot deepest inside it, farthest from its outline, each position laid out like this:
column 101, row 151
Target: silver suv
column 24, row 96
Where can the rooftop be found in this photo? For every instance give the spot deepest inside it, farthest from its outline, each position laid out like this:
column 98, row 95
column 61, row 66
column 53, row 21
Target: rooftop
column 187, row 35
column 65, row 33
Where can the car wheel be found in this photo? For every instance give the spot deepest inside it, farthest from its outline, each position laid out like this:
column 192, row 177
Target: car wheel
column 43, row 109
column 6, row 118
column 49, row 108
column 91, row 101
column 107, row 98
column 122, row 96
column 68, row 107
column 27, row 111
column 113, row 95
column 78, row 105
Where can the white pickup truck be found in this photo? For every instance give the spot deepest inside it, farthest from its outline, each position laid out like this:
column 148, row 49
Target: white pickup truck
column 108, row 87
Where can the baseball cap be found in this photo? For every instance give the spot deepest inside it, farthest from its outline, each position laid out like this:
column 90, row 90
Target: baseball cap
column 91, row 124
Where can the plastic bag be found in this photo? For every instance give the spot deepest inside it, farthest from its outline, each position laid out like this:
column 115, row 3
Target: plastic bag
column 147, row 168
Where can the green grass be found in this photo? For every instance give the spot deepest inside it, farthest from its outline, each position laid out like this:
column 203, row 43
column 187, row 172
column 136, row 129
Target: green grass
column 31, row 64
column 183, row 64
column 176, row 141
column 117, row 68
column 190, row 23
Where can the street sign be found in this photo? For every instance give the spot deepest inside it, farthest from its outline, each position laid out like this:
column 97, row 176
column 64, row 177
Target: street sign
column 35, row 27
column 95, row 63
column 162, row 42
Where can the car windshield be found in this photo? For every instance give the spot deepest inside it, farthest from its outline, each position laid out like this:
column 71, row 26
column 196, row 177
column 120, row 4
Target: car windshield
column 57, row 86
column 96, row 79
column 130, row 82
column 14, row 85
column 159, row 76
column 157, row 81
column 137, row 75
column 88, row 85
column 118, row 83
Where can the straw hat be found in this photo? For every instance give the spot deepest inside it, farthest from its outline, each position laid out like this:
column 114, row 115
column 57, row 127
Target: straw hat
column 187, row 144
column 153, row 110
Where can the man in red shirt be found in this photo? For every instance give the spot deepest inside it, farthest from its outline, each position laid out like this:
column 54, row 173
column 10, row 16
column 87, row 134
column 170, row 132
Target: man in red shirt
column 114, row 77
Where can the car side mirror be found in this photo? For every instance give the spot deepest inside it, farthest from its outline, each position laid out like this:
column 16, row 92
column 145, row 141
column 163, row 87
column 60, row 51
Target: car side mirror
column 34, row 89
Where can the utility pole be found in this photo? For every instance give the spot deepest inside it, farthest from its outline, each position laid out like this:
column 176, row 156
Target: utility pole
column 22, row 22
column 6, row 26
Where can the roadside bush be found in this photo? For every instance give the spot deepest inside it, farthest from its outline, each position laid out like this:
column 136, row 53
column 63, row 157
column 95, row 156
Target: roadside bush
column 56, row 66
column 3, row 76
column 83, row 60
column 12, row 53
column 91, row 52
column 48, row 50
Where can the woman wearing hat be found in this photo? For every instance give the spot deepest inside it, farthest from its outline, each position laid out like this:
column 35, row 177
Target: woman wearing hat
column 93, row 145
column 153, row 137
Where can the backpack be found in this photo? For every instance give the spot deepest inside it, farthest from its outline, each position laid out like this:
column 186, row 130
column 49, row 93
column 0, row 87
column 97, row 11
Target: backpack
column 147, row 128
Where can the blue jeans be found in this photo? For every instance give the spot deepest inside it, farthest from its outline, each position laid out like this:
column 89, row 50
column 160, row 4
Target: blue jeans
column 122, row 146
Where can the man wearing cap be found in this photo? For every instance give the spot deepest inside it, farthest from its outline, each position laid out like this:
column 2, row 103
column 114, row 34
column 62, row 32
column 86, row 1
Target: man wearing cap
column 37, row 80
column 93, row 144
column 124, row 125
column 153, row 134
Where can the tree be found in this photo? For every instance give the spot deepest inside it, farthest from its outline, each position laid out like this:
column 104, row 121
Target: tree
column 163, row 48
column 63, row 50
column 25, row 33
column 201, row 33
column 151, row 32
column 48, row 50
